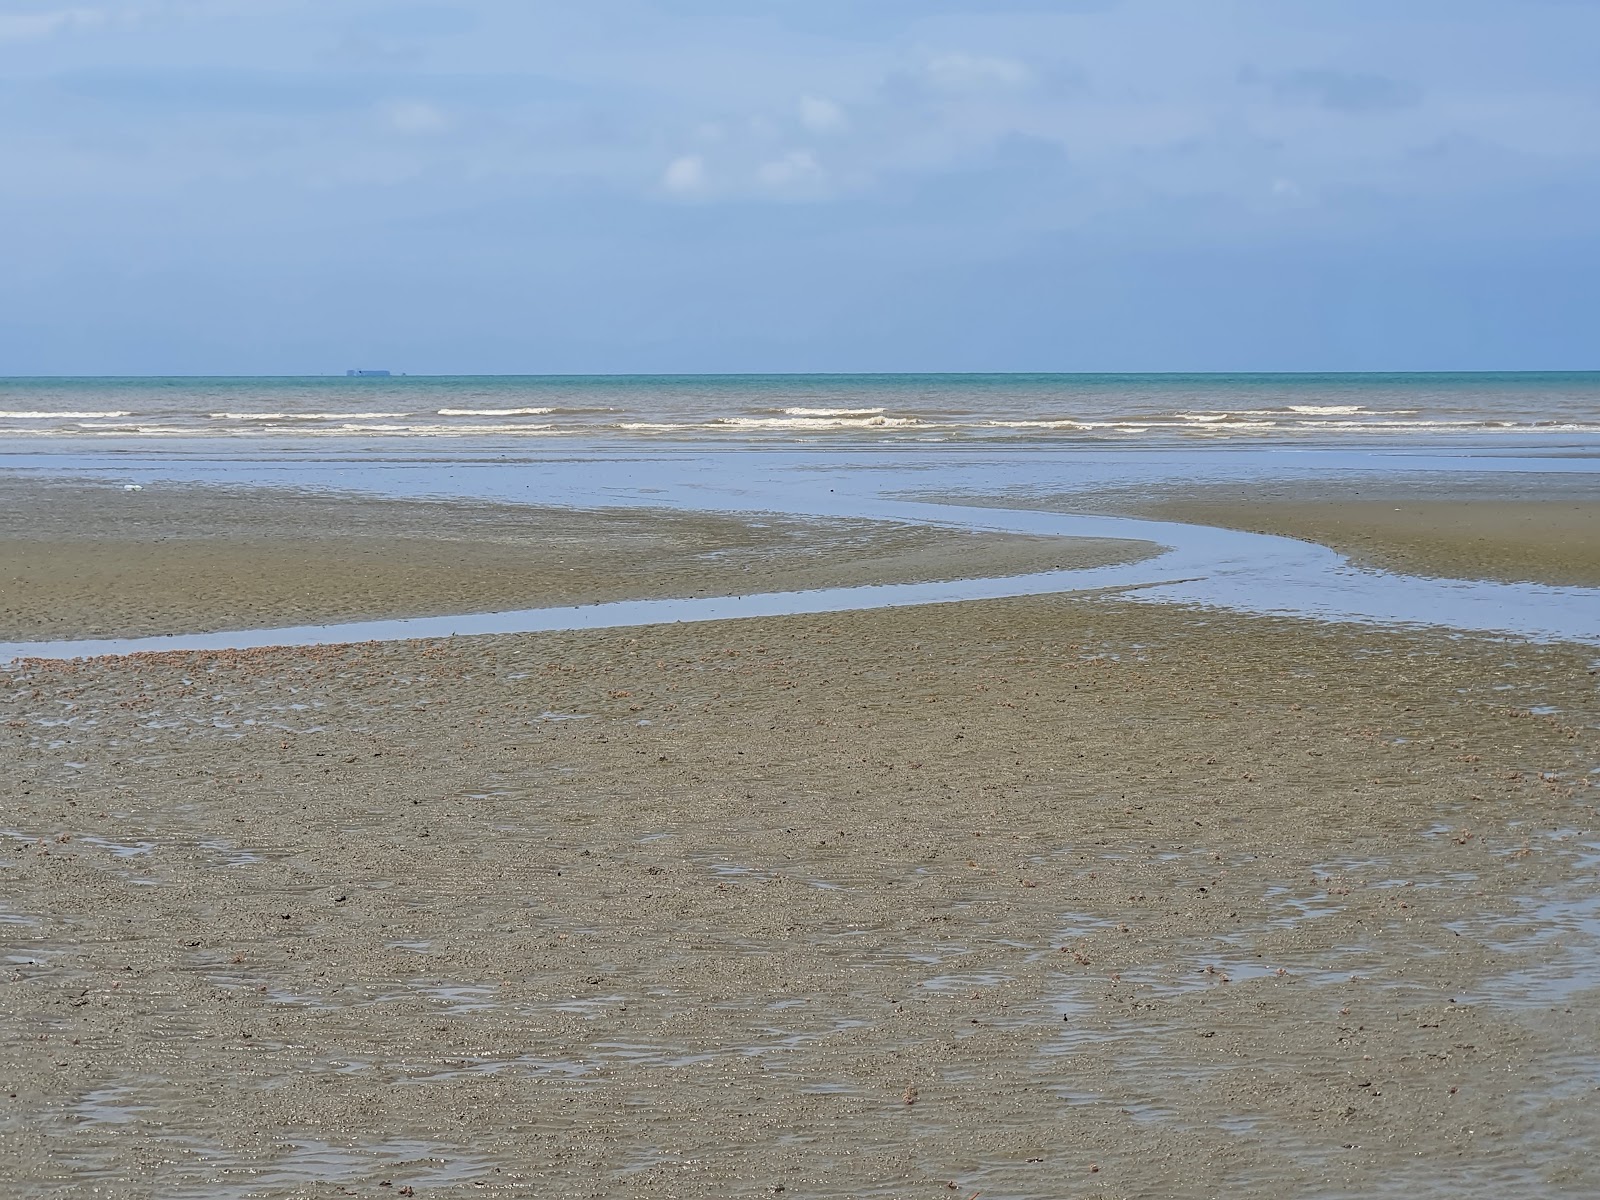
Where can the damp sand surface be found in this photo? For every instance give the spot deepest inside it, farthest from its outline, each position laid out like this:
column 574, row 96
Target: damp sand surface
column 1540, row 529
column 1027, row 898
column 1542, row 541
column 94, row 560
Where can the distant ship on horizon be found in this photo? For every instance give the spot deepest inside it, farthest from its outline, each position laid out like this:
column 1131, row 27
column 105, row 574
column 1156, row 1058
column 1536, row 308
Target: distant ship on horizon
column 378, row 374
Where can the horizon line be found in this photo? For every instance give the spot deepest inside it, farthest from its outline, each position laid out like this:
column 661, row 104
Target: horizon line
column 344, row 374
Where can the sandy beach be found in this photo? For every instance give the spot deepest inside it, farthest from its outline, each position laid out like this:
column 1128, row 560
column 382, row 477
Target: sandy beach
column 1459, row 525
column 1034, row 898
column 961, row 600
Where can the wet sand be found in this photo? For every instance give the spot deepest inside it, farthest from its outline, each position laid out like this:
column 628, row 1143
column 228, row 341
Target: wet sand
column 1033, row 898
column 93, row 560
column 1469, row 526
column 1542, row 541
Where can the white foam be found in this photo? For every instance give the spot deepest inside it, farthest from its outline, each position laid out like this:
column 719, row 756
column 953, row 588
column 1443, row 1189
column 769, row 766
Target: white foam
column 130, row 429
column 58, row 416
column 1063, row 423
column 1326, row 410
column 864, row 422
column 329, row 416
column 435, row 430
column 495, row 412
column 1380, row 424
column 1231, row 428
column 832, row 412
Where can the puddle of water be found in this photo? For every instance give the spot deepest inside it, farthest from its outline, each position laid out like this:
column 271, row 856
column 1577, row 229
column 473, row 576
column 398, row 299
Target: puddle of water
column 232, row 856
column 1078, row 925
column 586, row 1006
column 735, row 870
column 459, row 998
column 1561, row 930
column 272, row 993
column 409, row 1163
column 647, row 1055
column 964, row 983
column 110, row 1106
column 1196, row 975
column 118, row 849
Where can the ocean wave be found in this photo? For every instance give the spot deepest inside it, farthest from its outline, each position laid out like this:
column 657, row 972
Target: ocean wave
column 435, row 430
column 832, row 412
column 29, row 415
column 876, row 421
column 1169, row 427
column 1061, row 423
column 1327, row 410
column 124, row 429
column 1478, row 423
column 317, row 416
column 495, row 412
column 1131, row 425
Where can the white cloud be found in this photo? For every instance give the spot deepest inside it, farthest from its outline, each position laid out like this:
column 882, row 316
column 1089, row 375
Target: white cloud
column 685, row 176
column 821, row 116
column 416, row 117
column 962, row 71
column 798, row 168
column 17, row 27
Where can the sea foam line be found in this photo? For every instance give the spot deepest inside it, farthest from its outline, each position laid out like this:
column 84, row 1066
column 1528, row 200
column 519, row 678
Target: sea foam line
column 495, row 412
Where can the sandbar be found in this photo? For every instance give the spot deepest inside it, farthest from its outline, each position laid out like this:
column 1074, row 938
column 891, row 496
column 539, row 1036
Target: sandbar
column 93, row 560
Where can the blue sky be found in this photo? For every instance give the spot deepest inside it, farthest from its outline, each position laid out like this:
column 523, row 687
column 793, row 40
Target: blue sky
column 285, row 186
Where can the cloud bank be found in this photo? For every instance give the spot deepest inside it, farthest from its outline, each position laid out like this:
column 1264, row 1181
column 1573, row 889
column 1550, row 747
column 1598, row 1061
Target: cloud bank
column 627, row 185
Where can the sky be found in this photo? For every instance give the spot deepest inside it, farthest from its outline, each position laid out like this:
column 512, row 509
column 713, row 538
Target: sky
column 623, row 186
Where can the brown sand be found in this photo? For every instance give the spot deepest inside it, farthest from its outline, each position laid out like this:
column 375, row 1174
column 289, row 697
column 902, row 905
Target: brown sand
column 1027, row 898
column 1032, row 898
column 1471, row 526
column 1555, row 542
column 86, row 560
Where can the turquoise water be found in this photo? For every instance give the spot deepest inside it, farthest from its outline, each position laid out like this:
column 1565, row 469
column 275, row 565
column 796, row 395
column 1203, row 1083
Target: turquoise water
column 1553, row 407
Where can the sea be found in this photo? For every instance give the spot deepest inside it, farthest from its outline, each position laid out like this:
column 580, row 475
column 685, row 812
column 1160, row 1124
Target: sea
column 1546, row 409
